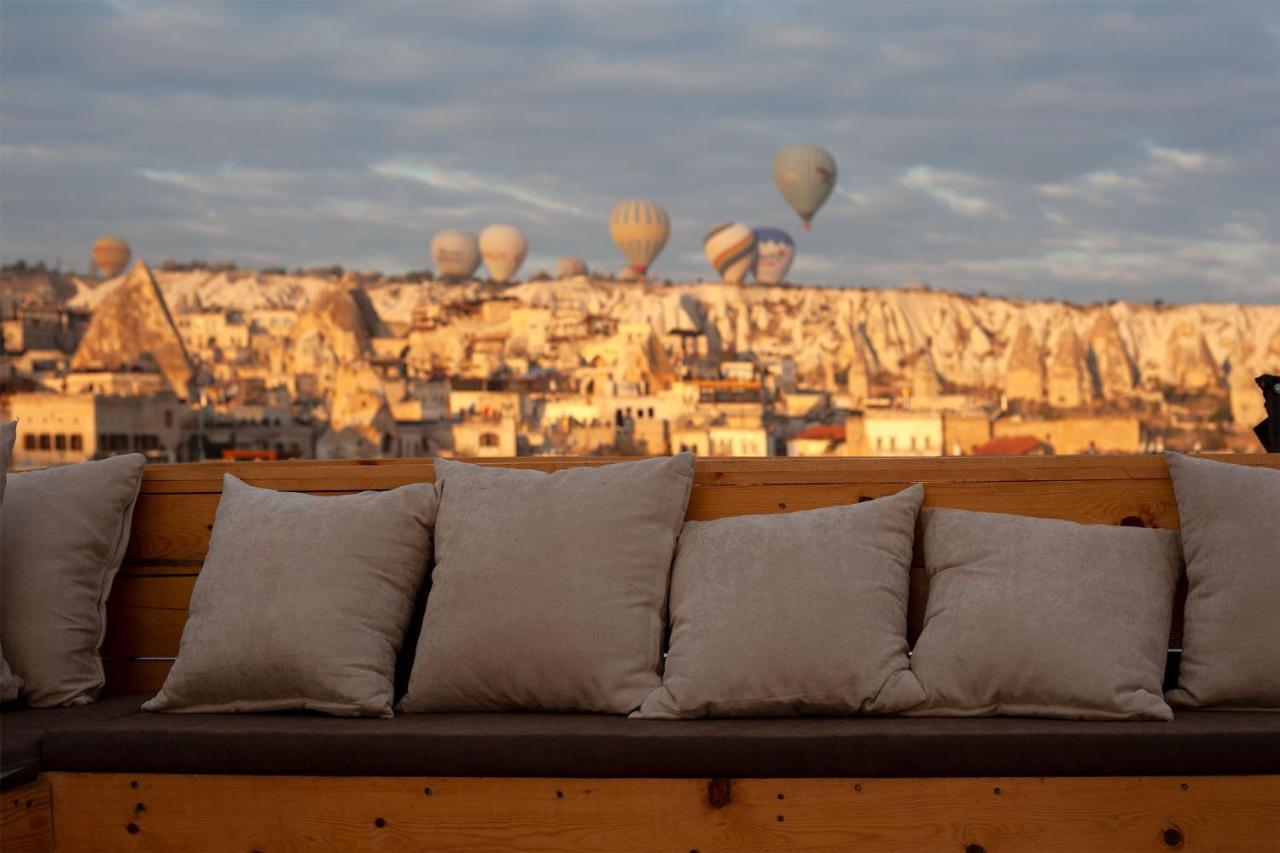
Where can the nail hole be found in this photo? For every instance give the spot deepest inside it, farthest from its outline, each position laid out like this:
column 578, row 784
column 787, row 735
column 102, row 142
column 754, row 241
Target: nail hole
column 379, row 822
column 140, row 807
column 974, row 848
column 132, row 828
column 559, row 795
column 1173, row 837
column 781, row 505
column 858, row 787
column 1184, row 786
column 133, row 784
column 780, row 796
column 781, row 818
column 996, row 791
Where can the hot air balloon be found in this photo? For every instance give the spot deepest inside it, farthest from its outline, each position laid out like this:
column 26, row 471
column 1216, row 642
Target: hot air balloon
column 805, row 175
column 570, row 266
column 731, row 249
column 455, row 253
column 640, row 228
column 775, row 250
column 503, row 248
column 111, row 255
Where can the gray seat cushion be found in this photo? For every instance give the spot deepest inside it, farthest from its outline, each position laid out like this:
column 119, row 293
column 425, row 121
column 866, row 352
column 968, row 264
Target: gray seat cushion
column 586, row 745
column 22, row 730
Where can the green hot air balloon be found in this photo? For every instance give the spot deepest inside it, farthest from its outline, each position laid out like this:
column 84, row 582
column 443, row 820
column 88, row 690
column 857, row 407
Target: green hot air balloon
column 805, row 175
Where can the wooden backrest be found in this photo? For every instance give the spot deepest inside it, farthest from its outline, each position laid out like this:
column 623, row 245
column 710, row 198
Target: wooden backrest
column 148, row 604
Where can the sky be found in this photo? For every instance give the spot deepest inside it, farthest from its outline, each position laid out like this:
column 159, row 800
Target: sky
column 1070, row 150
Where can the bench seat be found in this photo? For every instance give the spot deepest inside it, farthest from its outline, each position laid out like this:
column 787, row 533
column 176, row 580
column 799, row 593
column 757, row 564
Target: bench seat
column 582, row 745
column 23, row 730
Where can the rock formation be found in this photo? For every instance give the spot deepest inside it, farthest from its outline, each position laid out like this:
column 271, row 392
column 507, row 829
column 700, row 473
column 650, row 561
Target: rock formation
column 132, row 328
column 1024, row 377
column 1068, row 383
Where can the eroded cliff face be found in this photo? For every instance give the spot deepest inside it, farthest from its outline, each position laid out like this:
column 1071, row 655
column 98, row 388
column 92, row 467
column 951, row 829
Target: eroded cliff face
column 1024, row 348
column 132, row 326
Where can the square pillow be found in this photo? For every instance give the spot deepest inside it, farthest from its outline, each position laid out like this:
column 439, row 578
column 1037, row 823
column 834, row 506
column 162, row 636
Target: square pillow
column 1044, row 618
column 801, row 613
column 1230, row 519
column 549, row 590
column 302, row 603
column 65, row 534
column 10, row 684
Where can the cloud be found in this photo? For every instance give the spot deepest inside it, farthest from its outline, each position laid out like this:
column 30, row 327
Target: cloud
column 953, row 189
column 981, row 145
column 461, row 181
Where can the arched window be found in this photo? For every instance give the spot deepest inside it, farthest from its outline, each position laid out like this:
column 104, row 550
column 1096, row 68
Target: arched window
column 488, row 439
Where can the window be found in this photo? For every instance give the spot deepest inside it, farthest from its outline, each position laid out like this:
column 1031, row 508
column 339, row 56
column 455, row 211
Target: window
column 893, row 442
column 44, row 441
column 168, row 418
column 913, row 442
column 29, row 441
column 488, row 439
column 60, row 442
column 927, row 442
column 77, row 442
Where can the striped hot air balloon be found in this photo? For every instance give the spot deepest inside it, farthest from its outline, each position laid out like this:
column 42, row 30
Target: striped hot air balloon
column 805, row 175
column 775, row 250
column 570, row 266
column 640, row 229
column 111, row 255
column 503, row 248
column 455, row 253
column 731, row 249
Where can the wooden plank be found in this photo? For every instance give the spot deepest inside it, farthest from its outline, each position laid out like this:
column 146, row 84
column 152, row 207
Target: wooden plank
column 110, row 812
column 146, row 614
column 174, row 528
column 26, row 819
column 313, row 475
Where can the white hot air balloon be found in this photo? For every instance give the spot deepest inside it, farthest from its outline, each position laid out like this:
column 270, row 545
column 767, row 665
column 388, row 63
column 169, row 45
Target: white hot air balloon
column 775, row 250
column 640, row 228
column 805, row 175
column 455, row 253
column 503, row 248
column 731, row 249
column 569, row 266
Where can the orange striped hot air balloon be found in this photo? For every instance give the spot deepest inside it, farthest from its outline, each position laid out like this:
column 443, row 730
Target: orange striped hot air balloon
column 111, row 255
column 731, row 249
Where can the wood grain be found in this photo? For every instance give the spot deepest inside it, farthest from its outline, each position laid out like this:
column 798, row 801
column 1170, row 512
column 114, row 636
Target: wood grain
column 26, row 819
column 110, row 812
column 174, row 527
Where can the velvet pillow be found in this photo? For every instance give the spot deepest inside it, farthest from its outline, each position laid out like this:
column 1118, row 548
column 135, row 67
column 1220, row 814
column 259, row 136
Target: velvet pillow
column 799, row 613
column 1044, row 618
column 10, row 684
column 1230, row 519
column 65, row 533
column 549, row 590
column 303, row 602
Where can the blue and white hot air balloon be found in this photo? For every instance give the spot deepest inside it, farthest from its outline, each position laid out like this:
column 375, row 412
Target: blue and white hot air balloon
column 731, row 249
column 775, row 250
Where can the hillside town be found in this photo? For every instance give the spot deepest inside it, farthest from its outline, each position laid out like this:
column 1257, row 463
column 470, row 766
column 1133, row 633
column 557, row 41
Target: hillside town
column 194, row 362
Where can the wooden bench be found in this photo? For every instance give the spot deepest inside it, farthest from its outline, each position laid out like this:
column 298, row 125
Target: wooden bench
column 148, row 607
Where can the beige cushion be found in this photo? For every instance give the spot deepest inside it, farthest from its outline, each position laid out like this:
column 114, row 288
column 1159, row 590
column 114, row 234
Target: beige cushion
column 549, row 589
column 303, row 602
column 65, row 533
column 802, row 613
column 10, row 684
column 1046, row 618
column 1230, row 518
